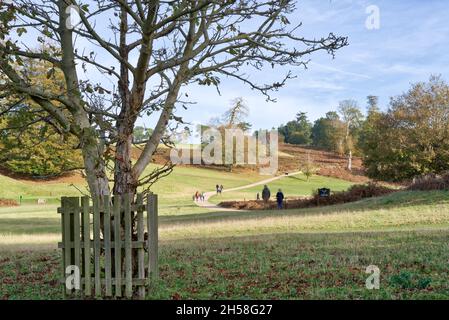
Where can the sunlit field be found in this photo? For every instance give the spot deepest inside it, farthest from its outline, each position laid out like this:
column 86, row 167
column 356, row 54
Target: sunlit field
column 317, row 253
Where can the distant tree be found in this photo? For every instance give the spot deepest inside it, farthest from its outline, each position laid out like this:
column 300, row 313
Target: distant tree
column 235, row 116
column 298, row 131
column 373, row 104
column 368, row 127
column 141, row 134
column 328, row 133
column 352, row 118
column 411, row 138
column 309, row 168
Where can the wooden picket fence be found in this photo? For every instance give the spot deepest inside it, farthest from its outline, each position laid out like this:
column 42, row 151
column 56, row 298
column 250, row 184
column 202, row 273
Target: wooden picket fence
column 97, row 252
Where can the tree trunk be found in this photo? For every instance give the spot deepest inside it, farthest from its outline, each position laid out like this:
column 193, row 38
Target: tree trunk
column 124, row 181
column 350, row 160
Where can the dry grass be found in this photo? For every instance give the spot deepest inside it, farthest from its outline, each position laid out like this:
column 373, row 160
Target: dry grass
column 8, row 203
column 34, row 242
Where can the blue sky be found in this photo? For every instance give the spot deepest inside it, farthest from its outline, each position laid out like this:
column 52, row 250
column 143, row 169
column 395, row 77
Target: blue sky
column 411, row 44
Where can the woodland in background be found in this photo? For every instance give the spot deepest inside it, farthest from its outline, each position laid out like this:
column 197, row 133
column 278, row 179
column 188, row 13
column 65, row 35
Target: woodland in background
column 407, row 140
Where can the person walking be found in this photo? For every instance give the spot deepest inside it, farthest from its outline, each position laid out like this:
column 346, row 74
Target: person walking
column 266, row 194
column 221, row 188
column 217, row 187
column 203, row 197
column 280, row 199
column 197, row 196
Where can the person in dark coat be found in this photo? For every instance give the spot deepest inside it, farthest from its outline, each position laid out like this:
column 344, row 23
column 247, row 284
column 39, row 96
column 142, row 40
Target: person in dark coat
column 280, row 198
column 266, row 194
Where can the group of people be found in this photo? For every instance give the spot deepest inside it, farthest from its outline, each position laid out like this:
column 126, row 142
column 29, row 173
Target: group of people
column 219, row 188
column 266, row 195
column 199, row 196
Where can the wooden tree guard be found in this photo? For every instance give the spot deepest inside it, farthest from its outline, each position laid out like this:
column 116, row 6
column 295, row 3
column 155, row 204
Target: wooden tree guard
column 110, row 239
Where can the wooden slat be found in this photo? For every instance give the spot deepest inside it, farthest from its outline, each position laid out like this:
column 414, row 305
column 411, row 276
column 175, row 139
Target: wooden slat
column 86, row 244
column 153, row 236
column 63, row 234
column 97, row 248
column 67, row 237
column 128, row 249
column 107, row 246
column 70, row 207
column 75, row 204
column 117, row 247
column 140, row 237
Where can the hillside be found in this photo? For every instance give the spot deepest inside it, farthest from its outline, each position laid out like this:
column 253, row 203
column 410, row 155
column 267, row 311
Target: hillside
column 190, row 178
column 329, row 163
column 291, row 157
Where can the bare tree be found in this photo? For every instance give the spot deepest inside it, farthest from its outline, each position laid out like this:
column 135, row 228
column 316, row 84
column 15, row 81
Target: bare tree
column 352, row 117
column 237, row 113
column 146, row 52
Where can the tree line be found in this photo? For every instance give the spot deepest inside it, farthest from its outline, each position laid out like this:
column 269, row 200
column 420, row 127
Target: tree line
column 408, row 139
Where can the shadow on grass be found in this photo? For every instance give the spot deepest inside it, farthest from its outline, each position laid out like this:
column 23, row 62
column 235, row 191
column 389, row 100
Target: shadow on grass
column 30, row 225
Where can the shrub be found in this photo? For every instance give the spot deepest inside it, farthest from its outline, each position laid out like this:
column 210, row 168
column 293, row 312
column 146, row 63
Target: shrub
column 354, row 193
column 430, row 182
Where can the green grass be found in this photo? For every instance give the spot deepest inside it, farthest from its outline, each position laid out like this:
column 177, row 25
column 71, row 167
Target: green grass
column 291, row 186
column 315, row 253
column 175, row 191
column 398, row 211
column 285, row 266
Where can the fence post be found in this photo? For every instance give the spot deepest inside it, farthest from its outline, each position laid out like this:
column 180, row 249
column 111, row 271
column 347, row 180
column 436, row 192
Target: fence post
column 62, row 211
column 117, row 247
column 141, row 239
column 75, row 203
column 86, row 241
column 107, row 246
column 70, row 234
column 152, row 211
column 128, row 248
column 97, row 248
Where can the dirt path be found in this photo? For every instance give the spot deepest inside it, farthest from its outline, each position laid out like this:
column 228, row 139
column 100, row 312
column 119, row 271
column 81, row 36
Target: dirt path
column 206, row 204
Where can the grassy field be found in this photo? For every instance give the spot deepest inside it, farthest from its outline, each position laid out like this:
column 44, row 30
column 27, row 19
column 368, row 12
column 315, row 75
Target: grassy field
column 413, row 265
column 292, row 186
column 319, row 253
column 175, row 191
column 35, row 225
